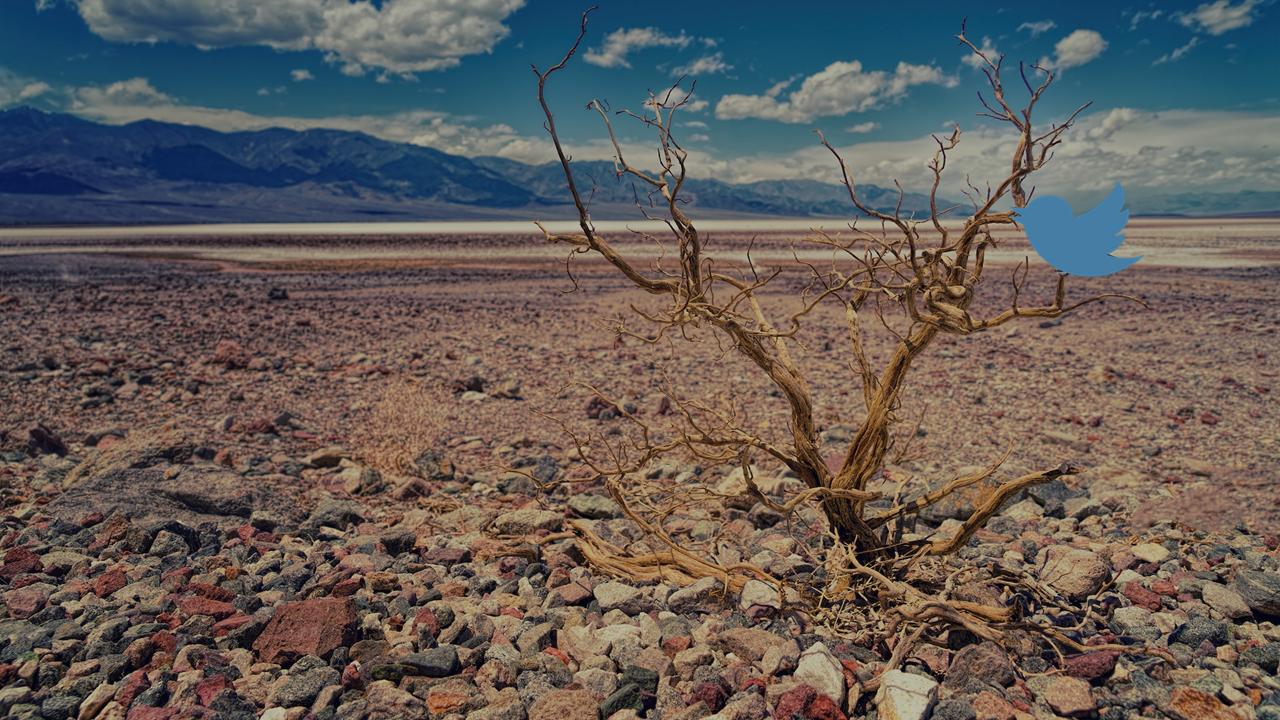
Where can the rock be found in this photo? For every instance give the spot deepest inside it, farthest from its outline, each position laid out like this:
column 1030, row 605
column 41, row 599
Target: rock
column 1074, row 572
column 1081, row 508
column 905, row 696
column 985, row 662
column 565, row 705
column 230, row 354
column 334, row 513
column 705, row 595
column 1201, row 629
column 142, row 449
column 750, row 644
column 1024, row 511
column 302, row 688
column 620, row 596
column 1225, row 600
column 25, row 602
column 821, row 670
column 1190, row 704
column 1266, row 657
column 989, row 706
column 1260, row 590
column 594, row 507
column 310, row 627
column 327, row 457
column 43, row 441
column 759, row 599
column 437, row 662
column 385, row 700
column 434, row 466
column 686, row 662
column 1070, row 697
column 954, row 709
column 1091, row 665
column 196, row 494
column 1150, row 552
column 527, row 521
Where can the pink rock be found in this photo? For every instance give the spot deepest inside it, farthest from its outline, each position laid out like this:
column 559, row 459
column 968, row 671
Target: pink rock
column 310, row 627
column 25, row 602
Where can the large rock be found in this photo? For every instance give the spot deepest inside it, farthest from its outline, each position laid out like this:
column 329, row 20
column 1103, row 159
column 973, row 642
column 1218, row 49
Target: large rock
column 526, row 521
column 565, row 705
column 620, row 596
column 705, row 595
column 1070, row 697
column 142, row 449
column 986, row 663
column 904, row 696
column 749, row 644
column 1260, row 589
column 1073, row 572
column 821, row 670
column 193, row 496
column 1190, row 704
column 311, row 627
column 1225, row 600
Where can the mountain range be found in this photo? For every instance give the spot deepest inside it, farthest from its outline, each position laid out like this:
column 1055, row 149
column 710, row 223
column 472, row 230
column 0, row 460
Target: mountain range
column 64, row 170
column 61, row 169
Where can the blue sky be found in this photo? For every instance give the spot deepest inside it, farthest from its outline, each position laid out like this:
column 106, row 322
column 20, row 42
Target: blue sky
column 1186, row 95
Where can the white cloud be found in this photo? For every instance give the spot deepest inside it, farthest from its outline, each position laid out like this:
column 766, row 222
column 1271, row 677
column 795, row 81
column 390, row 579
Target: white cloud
column 839, row 89
column 1076, row 49
column 705, row 65
column 865, row 127
column 300, row 75
column 698, row 137
column 673, row 96
column 1141, row 15
column 1037, row 28
column 622, row 42
column 694, row 123
column 977, row 63
column 1178, row 52
column 401, row 36
column 1219, row 17
column 34, row 89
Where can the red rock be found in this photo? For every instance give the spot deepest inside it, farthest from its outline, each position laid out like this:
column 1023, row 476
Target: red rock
column 231, row 354
column 711, row 694
column 164, row 642
column 222, row 627
column 673, row 646
column 212, row 592
column 823, row 708
column 351, row 679
column 259, row 425
column 1141, row 596
column 109, row 582
column 794, row 701
column 347, row 587
column 1164, row 587
column 90, row 519
column 25, row 602
column 1209, row 419
column 555, row 652
column 1090, row 666
column 204, row 606
column 574, row 593
column 211, row 686
column 20, row 561
column 135, row 685
column 1189, row 704
column 310, row 627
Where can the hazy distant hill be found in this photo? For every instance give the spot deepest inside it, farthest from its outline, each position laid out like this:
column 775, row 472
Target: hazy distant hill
column 58, row 168
column 61, row 169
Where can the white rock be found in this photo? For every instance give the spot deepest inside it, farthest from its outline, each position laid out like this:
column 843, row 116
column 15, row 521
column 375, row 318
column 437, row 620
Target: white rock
column 1025, row 510
column 1151, row 552
column 276, row 713
column 97, row 700
column 473, row 397
column 758, row 592
column 904, row 696
column 821, row 670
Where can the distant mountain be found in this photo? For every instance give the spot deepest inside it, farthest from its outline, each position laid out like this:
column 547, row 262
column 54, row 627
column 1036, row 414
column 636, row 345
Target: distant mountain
column 61, row 169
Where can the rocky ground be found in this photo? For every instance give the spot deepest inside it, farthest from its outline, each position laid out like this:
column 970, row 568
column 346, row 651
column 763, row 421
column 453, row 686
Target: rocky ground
column 253, row 492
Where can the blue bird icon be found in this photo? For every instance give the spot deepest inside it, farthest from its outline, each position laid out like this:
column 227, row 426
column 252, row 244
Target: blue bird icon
column 1078, row 245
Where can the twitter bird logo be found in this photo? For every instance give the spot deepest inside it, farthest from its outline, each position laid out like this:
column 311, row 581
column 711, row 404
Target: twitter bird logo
column 1078, row 245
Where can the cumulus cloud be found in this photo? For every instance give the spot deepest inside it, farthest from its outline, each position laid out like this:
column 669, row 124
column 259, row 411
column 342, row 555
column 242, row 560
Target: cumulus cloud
column 705, row 65
column 1078, row 48
column 300, row 75
column 674, row 96
column 400, row 36
column 16, row 88
column 865, row 127
column 1037, row 28
column 1219, row 17
column 977, row 63
column 839, row 89
column 623, row 42
column 1177, row 52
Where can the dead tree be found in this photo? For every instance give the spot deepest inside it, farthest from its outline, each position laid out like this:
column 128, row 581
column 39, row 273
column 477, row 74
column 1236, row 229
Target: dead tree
column 926, row 280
